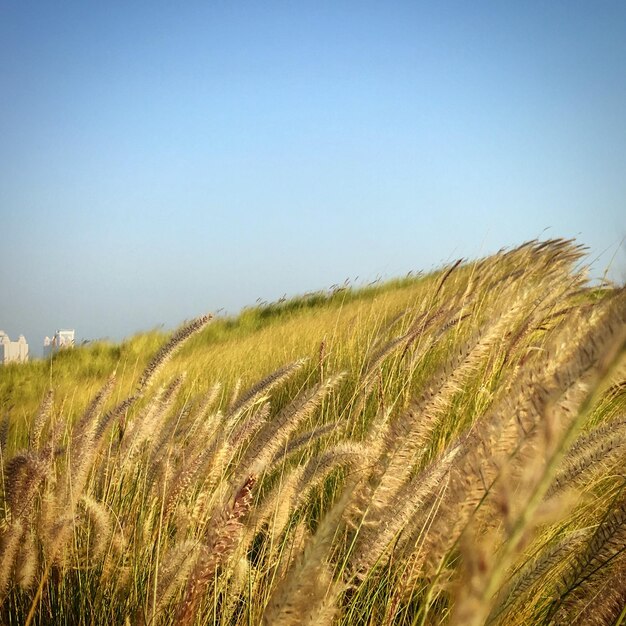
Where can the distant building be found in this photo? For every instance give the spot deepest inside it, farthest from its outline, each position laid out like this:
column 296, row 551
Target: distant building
column 62, row 339
column 13, row 351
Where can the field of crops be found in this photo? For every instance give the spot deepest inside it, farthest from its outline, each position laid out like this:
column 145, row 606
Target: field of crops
column 441, row 449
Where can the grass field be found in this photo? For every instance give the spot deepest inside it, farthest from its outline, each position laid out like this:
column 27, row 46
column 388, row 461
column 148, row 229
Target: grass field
column 440, row 449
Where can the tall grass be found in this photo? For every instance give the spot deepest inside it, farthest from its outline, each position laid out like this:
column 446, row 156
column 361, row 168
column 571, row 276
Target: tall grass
column 448, row 449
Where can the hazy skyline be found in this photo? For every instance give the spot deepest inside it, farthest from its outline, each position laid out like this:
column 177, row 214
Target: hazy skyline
column 158, row 161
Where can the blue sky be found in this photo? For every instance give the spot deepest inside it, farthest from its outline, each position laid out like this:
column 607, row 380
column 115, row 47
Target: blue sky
column 159, row 160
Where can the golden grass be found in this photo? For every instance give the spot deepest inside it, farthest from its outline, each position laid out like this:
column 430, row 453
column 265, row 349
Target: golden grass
column 446, row 449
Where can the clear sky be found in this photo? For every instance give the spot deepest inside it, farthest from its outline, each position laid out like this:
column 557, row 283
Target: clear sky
column 163, row 159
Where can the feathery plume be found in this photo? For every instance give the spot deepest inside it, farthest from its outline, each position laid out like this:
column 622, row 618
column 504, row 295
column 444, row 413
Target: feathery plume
column 270, row 439
column 167, row 351
column 221, row 538
column 263, row 387
column 40, row 420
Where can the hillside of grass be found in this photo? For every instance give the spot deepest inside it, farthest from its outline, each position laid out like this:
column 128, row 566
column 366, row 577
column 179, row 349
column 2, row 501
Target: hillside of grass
column 441, row 449
column 233, row 350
